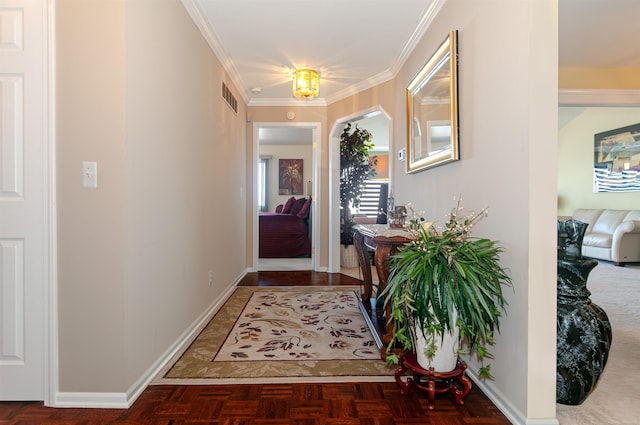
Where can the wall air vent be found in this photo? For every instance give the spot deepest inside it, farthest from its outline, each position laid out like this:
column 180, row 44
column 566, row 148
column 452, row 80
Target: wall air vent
column 229, row 98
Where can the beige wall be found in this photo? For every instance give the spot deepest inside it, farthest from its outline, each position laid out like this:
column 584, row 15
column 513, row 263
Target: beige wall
column 575, row 160
column 277, row 152
column 138, row 91
column 599, row 78
column 91, row 125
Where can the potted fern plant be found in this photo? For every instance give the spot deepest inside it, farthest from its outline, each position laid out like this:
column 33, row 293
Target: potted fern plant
column 445, row 285
column 355, row 168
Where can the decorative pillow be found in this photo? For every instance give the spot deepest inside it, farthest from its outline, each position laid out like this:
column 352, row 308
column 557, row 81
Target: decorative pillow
column 288, row 205
column 297, row 206
column 304, row 211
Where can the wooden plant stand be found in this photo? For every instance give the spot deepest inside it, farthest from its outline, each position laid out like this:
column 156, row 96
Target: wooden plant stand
column 436, row 382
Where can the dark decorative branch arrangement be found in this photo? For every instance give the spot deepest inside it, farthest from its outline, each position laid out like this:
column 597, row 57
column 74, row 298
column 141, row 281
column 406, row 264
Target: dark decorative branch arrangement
column 355, row 168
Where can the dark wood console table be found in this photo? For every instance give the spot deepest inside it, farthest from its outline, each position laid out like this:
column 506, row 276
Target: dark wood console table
column 385, row 242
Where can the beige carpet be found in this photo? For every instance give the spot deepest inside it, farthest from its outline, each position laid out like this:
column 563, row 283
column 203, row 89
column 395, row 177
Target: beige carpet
column 270, row 334
column 616, row 398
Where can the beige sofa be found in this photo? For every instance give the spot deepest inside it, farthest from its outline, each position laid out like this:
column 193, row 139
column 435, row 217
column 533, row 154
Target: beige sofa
column 612, row 235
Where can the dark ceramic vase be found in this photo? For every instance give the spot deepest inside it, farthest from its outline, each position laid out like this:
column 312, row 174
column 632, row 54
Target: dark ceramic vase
column 570, row 236
column 584, row 333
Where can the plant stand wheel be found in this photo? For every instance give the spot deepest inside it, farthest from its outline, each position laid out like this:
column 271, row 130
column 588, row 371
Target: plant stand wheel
column 435, row 382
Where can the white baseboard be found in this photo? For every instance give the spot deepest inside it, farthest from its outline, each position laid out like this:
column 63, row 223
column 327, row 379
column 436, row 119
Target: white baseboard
column 91, row 400
column 126, row 400
column 513, row 414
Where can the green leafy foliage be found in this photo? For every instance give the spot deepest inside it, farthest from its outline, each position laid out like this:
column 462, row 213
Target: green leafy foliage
column 440, row 272
column 355, row 168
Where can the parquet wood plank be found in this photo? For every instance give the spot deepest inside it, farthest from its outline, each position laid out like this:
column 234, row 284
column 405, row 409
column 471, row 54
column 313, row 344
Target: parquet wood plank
column 349, row 403
column 326, row 404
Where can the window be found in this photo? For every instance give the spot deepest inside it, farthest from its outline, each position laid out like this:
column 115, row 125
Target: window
column 263, row 187
column 370, row 200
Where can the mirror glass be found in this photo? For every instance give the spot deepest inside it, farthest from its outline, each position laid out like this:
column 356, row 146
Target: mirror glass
column 432, row 110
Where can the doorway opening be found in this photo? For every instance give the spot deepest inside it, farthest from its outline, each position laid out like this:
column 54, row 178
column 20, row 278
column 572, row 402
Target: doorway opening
column 286, row 167
column 378, row 122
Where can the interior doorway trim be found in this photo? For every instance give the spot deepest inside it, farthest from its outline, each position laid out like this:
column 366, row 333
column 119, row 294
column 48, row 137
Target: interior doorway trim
column 316, row 191
column 50, row 314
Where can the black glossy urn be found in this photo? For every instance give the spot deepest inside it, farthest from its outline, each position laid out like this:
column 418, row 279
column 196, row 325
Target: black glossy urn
column 584, row 331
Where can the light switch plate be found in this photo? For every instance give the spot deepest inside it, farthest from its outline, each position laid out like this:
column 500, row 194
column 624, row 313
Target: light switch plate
column 402, row 154
column 89, row 174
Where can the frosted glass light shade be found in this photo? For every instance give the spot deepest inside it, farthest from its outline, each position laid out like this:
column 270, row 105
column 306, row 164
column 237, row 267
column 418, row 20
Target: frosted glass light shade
column 306, row 83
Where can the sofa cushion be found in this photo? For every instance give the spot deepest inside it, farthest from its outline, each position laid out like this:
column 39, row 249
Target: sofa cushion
column 297, row 206
column 602, row 240
column 612, row 235
column 587, row 216
column 304, row 211
column 608, row 221
column 633, row 215
column 288, row 205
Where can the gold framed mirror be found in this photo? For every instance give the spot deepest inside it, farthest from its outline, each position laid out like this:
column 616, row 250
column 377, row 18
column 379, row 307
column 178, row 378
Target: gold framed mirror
column 432, row 110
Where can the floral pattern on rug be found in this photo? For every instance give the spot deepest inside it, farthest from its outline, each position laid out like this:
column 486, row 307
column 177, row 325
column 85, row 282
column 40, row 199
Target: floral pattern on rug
column 300, row 326
column 195, row 363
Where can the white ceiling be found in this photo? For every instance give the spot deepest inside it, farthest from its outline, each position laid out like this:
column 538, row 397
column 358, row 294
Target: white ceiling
column 356, row 44
column 599, row 33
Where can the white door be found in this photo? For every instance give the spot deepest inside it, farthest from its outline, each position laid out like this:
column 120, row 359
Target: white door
column 23, row 204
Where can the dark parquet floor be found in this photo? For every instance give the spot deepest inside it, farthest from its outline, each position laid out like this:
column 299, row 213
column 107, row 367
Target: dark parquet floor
column 273, row 404
column 297, row 278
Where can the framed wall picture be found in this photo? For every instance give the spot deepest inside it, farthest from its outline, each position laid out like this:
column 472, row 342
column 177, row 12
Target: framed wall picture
column 290, row 177
column 616, row 158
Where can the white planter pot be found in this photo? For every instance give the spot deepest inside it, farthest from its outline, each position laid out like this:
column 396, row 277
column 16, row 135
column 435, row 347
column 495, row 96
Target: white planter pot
column 446, row 355
column 348, row 256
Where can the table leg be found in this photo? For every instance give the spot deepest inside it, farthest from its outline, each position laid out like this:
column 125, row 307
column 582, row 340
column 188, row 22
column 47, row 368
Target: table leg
column 431, row 390
column 381, row 260
column 404, row 386
column 459, row 394
column 365, row 267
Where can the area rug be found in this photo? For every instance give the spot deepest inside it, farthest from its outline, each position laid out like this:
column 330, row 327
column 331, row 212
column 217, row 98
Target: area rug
column 276, row 334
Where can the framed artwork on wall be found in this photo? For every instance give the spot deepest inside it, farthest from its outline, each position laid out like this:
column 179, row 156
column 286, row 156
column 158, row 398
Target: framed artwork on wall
column 290, row 177
column 616, row 158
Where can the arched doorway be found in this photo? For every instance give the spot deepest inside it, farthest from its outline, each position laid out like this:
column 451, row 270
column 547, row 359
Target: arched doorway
column 378, row 122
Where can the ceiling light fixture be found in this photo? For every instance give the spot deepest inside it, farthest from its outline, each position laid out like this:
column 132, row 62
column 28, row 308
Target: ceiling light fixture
column 306, row 83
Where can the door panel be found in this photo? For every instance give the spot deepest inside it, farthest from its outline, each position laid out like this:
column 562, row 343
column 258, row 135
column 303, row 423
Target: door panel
column 23, row 189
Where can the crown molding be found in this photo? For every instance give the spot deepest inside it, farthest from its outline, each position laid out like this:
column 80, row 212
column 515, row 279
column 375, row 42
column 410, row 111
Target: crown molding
column 320, row 101
column 376, row 80
column 417, row 35
column 597, row 97
column 213, row 41
column 389, row 74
